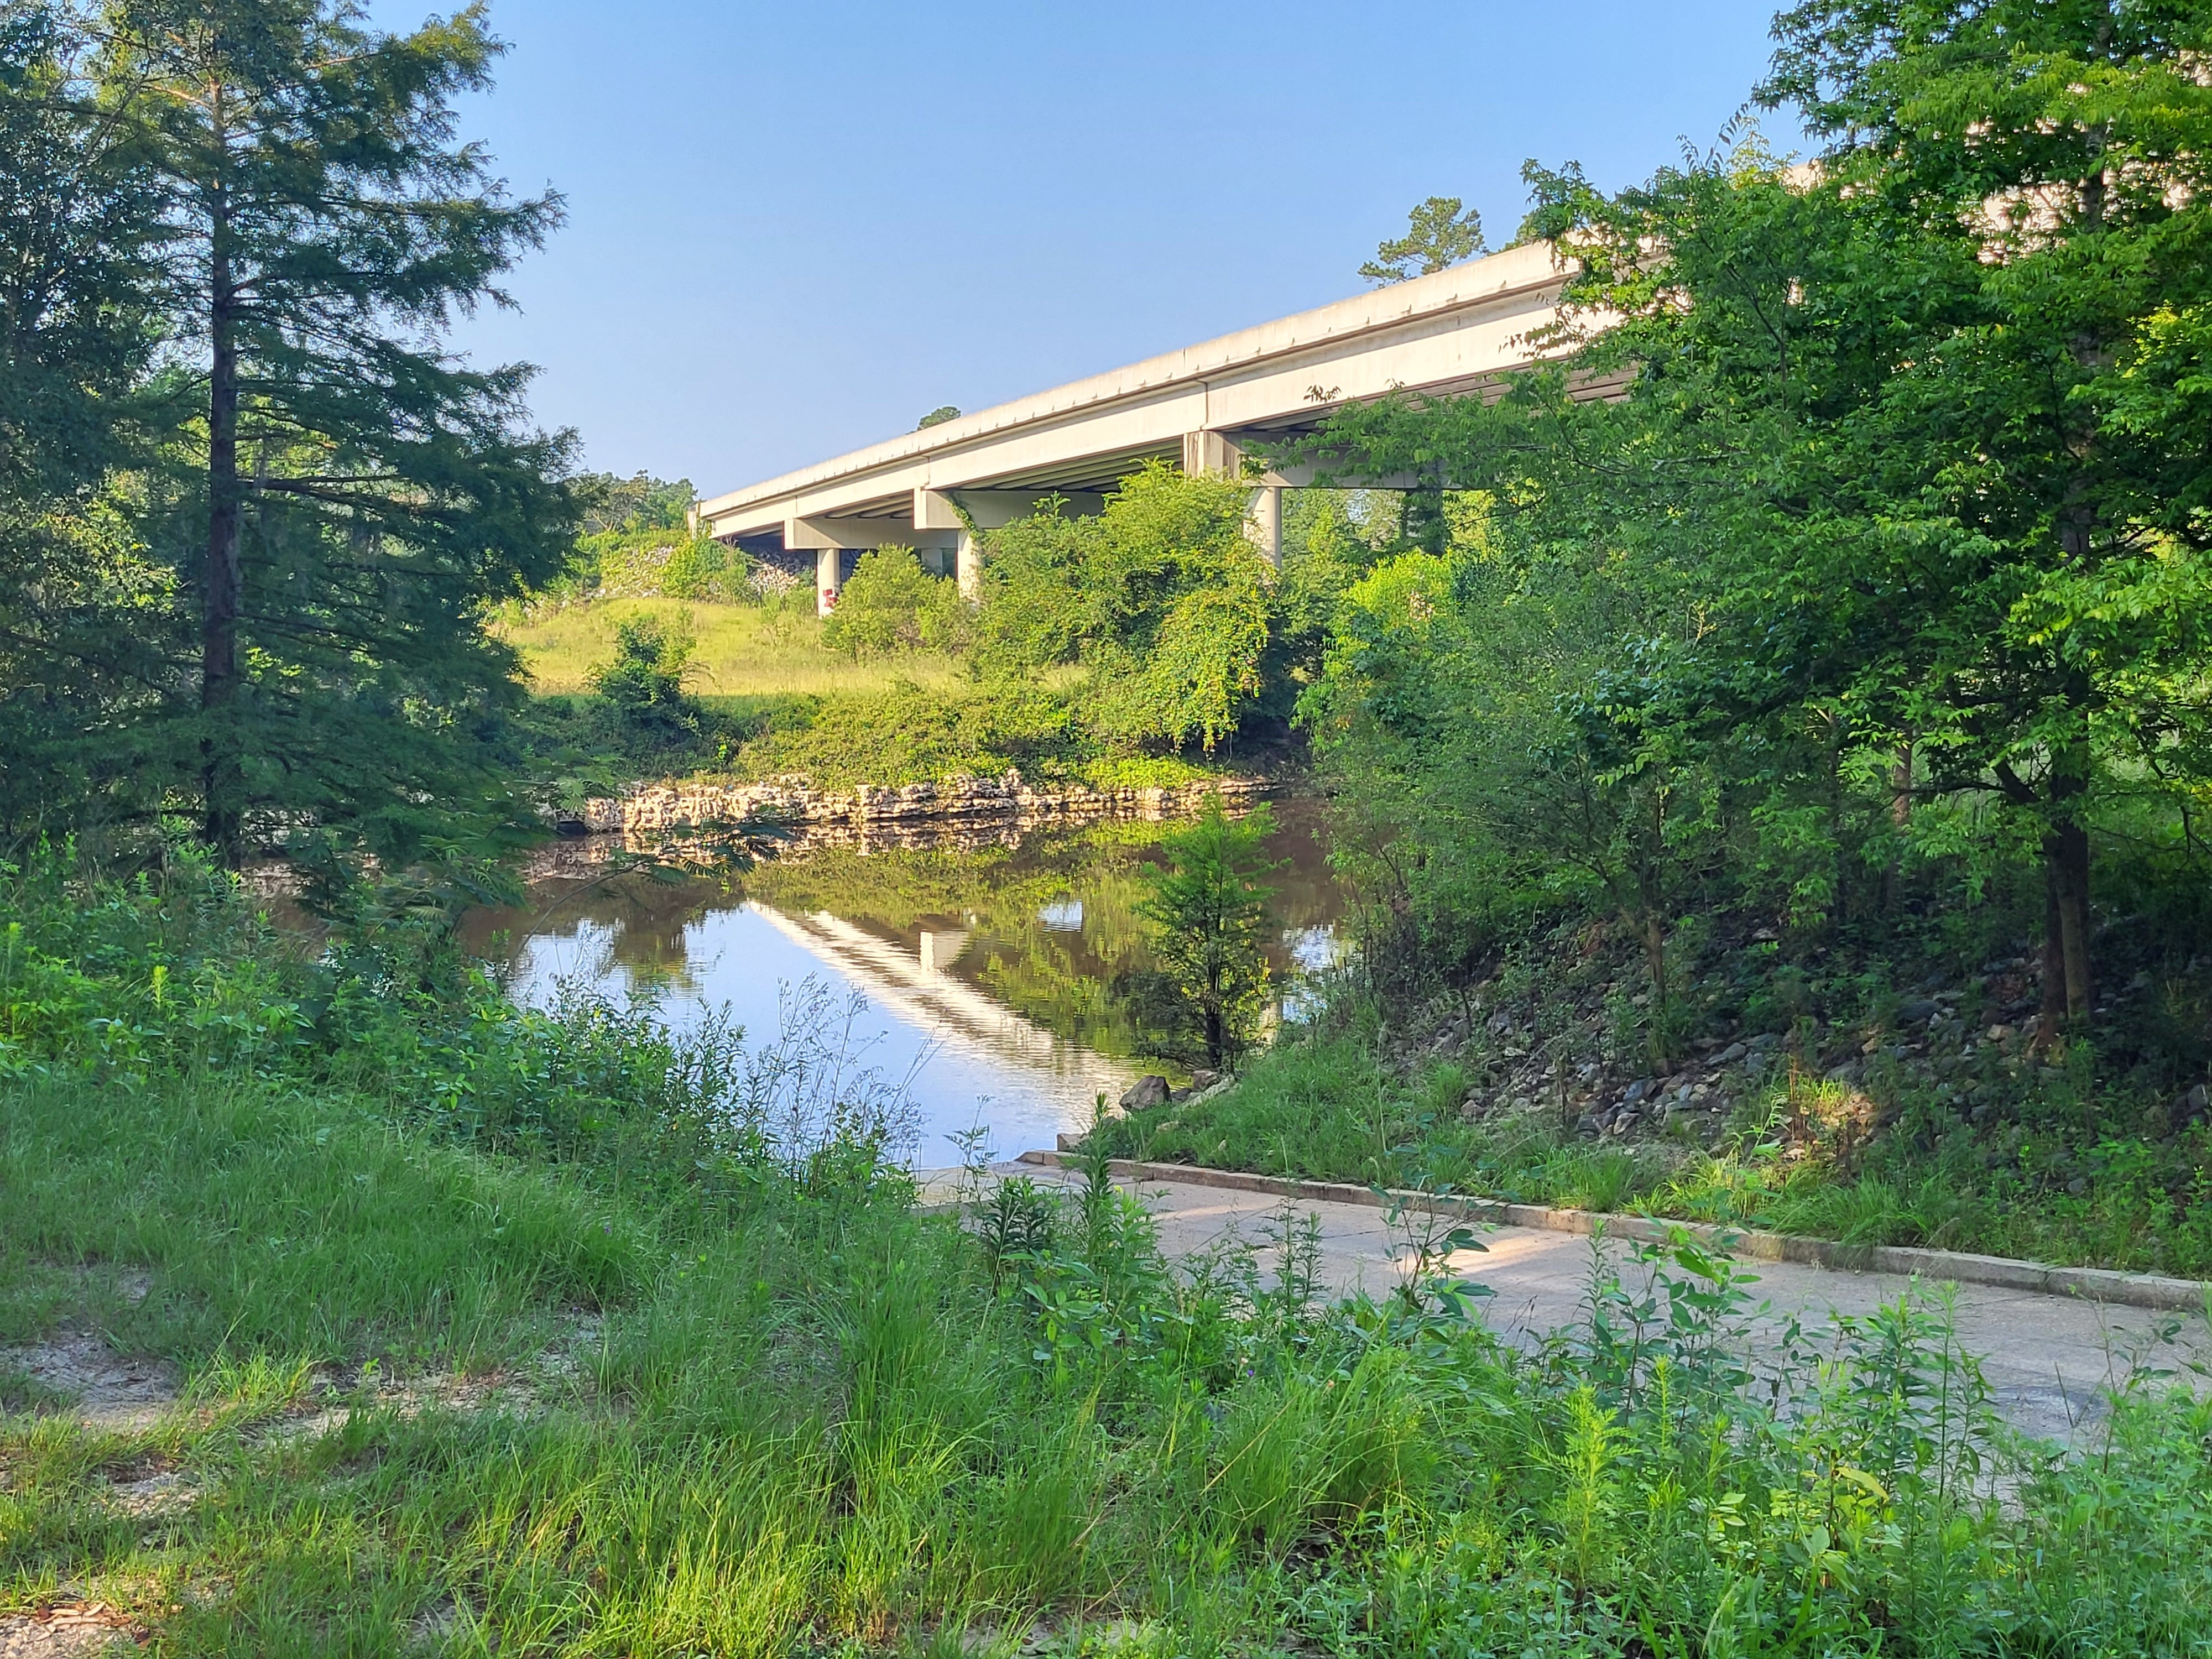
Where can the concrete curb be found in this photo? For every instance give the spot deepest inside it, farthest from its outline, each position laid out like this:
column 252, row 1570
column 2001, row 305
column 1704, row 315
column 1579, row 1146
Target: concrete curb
column 2093, row 1284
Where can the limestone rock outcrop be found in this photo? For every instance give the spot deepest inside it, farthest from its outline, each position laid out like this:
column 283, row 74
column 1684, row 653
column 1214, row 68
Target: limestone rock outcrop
column 690, row 804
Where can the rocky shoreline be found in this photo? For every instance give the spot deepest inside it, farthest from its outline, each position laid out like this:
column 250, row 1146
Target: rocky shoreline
column 693, row 804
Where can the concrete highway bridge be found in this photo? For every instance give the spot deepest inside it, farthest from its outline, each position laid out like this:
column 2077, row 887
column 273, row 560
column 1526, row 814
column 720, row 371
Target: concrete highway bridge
column 1201, row 408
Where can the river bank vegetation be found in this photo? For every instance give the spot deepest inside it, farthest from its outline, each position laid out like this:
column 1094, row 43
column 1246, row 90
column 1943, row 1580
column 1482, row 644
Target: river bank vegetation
column 467, row 1327
column 1147, row 645
column 1778, row 789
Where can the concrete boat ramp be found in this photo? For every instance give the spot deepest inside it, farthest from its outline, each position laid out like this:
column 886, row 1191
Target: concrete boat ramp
column 2050, row 1359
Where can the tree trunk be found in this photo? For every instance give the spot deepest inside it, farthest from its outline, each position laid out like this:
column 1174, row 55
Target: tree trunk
column 2068, row 987
column 1900, row 818
column 222, row 776
column 2066, row 852
column 2052, row 1014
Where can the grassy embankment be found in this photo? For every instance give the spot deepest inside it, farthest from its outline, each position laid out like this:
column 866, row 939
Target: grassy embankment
column 1326, row 1108
column 743, row 651
column 1853, row 1112
column 767, row 698
column 530, row 1334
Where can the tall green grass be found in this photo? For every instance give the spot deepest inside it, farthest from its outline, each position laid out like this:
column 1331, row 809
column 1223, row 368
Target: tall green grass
column 304, row 1225
column 827, row 1424
column 743, row 650
column 787, row 1414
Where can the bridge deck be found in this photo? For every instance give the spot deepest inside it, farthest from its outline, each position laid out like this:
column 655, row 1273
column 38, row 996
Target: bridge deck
column 1448, row 332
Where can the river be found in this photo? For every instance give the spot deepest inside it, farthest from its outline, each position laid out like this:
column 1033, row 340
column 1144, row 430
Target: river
column 992, row 961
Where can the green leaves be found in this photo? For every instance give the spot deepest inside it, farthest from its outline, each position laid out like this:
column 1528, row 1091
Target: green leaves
column 1161, row 597
column 1440, row 233
column 892, row 604
column 644, row 679
column 1210, row 921
column 1904, row 498
column 305, row 509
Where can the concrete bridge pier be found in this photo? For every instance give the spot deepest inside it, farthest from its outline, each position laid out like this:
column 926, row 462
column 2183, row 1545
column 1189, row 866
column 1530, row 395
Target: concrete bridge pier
column 968, row 567
column 830, row 538
column 1218, row 453
column 1263, row 525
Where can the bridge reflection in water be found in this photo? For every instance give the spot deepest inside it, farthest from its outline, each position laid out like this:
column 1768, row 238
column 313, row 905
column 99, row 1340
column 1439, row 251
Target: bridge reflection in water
column 992, row 975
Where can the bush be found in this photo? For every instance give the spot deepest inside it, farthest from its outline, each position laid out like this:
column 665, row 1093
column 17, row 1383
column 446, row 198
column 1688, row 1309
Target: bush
column 181, row 978
column 893, row 605
column 705, row 569
column 912, row 733
column 1208, row 914
column 644, row 679
column 1161, row 597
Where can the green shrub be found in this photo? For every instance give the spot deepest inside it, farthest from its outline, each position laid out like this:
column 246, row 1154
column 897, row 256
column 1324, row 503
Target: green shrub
column 1210, row 925
column 644, row 679
column 702, row 568
column 1161, row 597
column 892, row 604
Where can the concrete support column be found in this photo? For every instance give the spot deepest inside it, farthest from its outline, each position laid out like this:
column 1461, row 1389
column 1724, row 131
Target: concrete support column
column 825, row 579
column 968, row 567
column 1264, row 524
column 1213, row 452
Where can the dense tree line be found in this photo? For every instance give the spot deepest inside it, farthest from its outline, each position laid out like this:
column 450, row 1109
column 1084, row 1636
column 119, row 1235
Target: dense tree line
column 1884, row 572
column 251, row 507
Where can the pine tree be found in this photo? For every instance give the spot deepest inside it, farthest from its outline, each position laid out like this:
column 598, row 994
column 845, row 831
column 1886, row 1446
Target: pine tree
column 81, row 631
column 349, row 493
column 1210, row 922
column 1440, row 233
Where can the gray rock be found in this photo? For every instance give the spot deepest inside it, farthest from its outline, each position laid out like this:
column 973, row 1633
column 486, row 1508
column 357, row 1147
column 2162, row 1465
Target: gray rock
column 1847, row 1073
column 1178, row 1095
column 1733, row 1052
column 1145, row 1093
column 1636, row 1091
column 1586, row 1124
column 1919, row 1009
column 1202, row 1079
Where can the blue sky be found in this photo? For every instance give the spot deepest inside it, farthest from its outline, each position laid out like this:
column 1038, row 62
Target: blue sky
column 794, row 229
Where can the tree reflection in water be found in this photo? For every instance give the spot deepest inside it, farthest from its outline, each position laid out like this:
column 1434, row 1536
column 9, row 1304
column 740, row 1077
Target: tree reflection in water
column 1041, row 920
